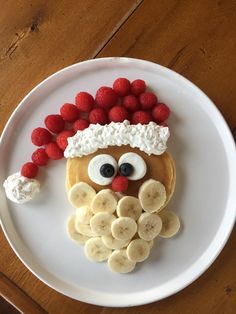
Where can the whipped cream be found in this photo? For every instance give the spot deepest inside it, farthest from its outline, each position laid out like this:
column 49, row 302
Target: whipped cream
column 20, row 189
column 150, row 138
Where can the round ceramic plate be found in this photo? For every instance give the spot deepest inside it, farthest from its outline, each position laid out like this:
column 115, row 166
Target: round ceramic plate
column 204, row 199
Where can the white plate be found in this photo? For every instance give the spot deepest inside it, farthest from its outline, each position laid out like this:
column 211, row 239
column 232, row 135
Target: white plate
column 204, row 151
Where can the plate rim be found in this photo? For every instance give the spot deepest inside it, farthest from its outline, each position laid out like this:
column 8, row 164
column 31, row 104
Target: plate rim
column 112, row 299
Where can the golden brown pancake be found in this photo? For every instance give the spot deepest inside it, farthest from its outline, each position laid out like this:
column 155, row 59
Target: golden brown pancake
column 160, row 168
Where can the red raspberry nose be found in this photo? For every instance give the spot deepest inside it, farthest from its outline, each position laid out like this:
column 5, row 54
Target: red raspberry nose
column 120, row 184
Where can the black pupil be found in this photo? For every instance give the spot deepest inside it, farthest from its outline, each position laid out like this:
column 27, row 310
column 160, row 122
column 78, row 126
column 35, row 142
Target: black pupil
column 126, row 169
column 107, row 170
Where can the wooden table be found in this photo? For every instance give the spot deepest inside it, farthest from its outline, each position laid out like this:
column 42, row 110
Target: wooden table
column 194, row 38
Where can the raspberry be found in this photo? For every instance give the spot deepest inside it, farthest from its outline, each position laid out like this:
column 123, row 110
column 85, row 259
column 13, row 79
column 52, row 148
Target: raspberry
column 121, row 86
column 106, row 97
column 160, row 113
column 98, row 115
column 118, row 114
column 39, row 157
column 138, row 87
column 142, row 117
column 84, row 101
column 69, row 112
column 53, row 151
column 120, row 184
column 131, row 103
column 80, row 125
column 41, row 136
column 62, row 138
column 29, row 170
column 147, row 100
column 54, row 123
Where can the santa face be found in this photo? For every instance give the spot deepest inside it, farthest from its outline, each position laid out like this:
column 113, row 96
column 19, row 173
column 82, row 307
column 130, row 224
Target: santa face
column 120, row 228
column 100, row 168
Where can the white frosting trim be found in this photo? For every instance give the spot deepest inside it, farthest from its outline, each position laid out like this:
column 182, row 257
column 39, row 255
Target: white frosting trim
column 149, row 138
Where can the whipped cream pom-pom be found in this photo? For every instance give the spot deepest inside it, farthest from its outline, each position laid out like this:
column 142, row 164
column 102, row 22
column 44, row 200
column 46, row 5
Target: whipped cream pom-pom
column 150, row 138
column 20, row 189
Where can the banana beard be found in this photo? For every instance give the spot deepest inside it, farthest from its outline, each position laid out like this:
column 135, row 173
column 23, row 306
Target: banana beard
column 120, row 228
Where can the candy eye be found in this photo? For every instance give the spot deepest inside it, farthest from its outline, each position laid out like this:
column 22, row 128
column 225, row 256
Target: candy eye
column 102, row 169
column 132, row 166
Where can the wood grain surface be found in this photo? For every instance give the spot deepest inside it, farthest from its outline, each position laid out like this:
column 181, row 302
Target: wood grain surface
column 194, row 38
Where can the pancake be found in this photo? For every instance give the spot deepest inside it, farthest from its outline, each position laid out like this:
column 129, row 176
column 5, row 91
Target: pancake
column 159, row 167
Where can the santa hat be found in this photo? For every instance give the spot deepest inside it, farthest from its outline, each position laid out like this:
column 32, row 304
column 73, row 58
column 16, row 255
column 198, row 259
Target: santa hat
column 150, row 138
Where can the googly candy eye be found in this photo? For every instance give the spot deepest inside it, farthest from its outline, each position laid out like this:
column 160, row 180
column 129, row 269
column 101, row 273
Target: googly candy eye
column 102, row 169
column 132, row 166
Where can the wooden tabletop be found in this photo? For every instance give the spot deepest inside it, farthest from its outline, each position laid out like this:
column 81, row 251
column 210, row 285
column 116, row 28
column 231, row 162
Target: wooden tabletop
column 195, row 38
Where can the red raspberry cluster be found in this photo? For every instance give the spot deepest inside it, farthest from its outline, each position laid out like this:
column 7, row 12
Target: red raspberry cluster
column 124, row 101
column 127, row 101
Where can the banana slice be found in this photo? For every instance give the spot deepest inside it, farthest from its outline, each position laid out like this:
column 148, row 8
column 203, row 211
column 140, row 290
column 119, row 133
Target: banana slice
column 149, row 226
column 84, row 229
column 84, row 214
column 118, row 262
column 95, row 250
column 123, row 228
column 138, row 250
column 113, row 243
column 104, row 201
column 101, row 223
column 170, row 223
column 72, row 233
column 81, row 194
column 129, row 206
column 152, row 195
